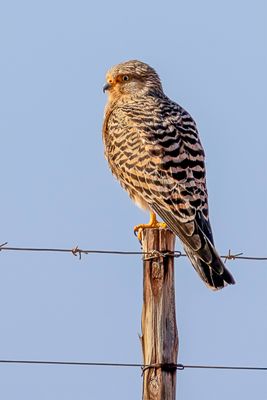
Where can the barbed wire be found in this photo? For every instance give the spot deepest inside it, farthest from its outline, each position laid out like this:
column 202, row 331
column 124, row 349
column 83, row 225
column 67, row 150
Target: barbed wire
column 164, row 366
column 76, row 251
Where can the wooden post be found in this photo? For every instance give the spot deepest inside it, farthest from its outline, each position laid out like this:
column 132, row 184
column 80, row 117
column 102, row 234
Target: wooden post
column 159, row 330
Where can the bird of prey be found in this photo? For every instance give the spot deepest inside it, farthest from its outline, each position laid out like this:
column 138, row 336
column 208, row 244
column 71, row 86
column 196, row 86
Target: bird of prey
column 153, row 149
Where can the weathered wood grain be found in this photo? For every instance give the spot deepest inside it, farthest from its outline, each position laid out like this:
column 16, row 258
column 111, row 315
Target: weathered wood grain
column 159, row 330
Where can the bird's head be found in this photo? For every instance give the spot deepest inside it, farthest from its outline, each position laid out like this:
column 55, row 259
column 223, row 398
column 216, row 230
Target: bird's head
column 131, row 78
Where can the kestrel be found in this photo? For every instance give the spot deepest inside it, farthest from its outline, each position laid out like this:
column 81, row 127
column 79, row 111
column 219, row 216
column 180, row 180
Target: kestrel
column 153, row 149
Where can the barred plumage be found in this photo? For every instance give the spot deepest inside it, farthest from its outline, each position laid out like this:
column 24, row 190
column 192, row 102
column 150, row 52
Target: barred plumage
column 153, row 149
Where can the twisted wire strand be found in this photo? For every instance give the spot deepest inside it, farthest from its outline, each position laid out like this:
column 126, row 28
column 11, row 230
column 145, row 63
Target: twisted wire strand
column 164, row 366
column 76, row 251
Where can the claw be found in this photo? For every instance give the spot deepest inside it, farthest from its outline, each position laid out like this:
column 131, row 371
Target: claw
column 153, row 223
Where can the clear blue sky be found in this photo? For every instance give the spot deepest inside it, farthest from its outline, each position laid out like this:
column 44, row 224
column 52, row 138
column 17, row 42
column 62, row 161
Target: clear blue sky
column 57, row 191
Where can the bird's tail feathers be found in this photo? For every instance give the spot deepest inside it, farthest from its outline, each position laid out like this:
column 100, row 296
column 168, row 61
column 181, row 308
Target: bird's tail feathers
column 208, row 273
column 198, row 244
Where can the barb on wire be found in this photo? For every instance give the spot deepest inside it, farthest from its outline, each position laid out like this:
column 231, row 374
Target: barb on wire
column 231, row 256
column 76, row 251
column 165, row 366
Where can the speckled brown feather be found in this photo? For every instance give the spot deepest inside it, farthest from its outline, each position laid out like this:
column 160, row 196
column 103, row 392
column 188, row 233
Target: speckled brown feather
column 153, row 149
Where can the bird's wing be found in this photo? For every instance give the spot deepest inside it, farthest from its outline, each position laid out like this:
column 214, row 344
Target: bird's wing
column 172, row 143
column 177, row 180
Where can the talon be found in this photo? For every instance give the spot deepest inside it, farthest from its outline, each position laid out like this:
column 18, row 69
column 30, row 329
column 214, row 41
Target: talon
column 153, row 223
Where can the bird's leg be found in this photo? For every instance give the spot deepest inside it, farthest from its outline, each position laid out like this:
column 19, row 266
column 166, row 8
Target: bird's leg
column 153, row 223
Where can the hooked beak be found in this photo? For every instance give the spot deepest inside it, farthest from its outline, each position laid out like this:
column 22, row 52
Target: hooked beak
column 107, row 86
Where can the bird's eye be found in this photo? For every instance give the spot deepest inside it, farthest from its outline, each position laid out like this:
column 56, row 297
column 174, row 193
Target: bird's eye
column 125, row 78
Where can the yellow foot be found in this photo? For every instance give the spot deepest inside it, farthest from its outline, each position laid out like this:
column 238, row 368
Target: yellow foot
column 153, row 223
